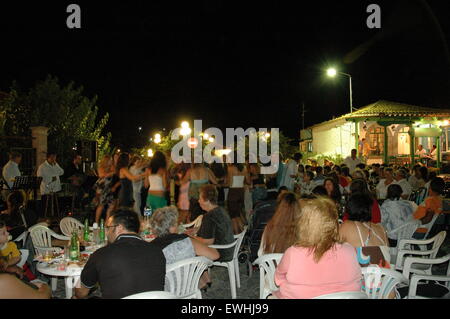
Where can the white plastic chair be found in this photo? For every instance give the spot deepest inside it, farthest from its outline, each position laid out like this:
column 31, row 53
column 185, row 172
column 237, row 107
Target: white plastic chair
column 22, row 237
column 42, row 241
column 24, row 253
column 344, row 295
column 420, row 269
column 267, row 266
column 415, row 279
column 183, row 276
column 405, row 231
column 380, row 282
column 232, row 265
column 69, row 224
column 152, row 295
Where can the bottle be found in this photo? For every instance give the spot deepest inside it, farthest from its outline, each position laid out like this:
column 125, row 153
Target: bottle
column 95, row 234
column 102, row 231
column 86, row 230
column 74, row 247
column 147, row 213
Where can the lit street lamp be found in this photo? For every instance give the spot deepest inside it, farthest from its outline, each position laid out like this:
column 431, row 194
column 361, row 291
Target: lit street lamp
column 332, row 72
column 157, row 139
column 185, row 129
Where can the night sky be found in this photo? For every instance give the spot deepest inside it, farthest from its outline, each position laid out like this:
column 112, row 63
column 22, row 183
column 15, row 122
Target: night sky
column 156, row 63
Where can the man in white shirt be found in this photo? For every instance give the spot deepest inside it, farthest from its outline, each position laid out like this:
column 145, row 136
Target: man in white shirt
column 433, row 153
column 351, row 161
column 400, row 179
column 11, row 171
column 291, row 172
column 421, row 152
column 50, row 172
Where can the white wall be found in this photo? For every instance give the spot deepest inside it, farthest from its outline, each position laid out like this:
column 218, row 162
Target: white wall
column 334, row 138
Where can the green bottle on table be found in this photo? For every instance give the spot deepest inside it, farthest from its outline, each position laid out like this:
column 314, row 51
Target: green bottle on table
column 86, row 230
column 74, row 247
column 102, row 231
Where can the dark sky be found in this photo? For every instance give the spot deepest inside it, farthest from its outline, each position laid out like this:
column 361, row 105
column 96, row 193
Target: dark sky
column 155, row 63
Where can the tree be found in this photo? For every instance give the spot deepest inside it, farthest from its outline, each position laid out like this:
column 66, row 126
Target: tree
column 69, row 115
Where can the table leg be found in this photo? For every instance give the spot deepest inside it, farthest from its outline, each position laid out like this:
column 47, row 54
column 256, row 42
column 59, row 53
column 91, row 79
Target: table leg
column 69, row 287
column 71, row 282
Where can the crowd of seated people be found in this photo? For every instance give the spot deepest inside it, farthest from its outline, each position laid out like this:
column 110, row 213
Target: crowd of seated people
column 301, row 223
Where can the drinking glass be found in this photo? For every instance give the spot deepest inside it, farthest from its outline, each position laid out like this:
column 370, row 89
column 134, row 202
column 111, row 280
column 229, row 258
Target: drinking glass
column 67, row 252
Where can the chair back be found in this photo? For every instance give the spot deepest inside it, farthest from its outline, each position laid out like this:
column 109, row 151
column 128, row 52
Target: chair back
column 379, row 283
column 239, row 238
column 152, row 295
column 41, row 236
column 22, row 237
column 344, row 295
column 438, row 240
column 183, row 276
column 24, row 253
column 69, row 224
column 421, row 195
column 267, row 265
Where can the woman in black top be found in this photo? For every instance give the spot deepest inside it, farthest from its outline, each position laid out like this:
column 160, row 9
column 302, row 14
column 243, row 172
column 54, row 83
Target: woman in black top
column 126, row 187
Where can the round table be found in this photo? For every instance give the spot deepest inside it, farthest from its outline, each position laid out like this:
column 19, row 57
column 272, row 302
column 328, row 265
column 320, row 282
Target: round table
column 71, row 275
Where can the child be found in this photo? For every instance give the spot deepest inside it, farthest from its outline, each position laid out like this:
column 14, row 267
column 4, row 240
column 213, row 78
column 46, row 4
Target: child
column 9, row 251
column 431, row 206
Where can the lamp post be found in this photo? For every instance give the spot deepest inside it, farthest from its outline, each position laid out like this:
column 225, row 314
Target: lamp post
column 331, row 72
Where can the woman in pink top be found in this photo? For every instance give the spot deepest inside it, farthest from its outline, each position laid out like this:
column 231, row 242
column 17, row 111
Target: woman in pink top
column 318, row 264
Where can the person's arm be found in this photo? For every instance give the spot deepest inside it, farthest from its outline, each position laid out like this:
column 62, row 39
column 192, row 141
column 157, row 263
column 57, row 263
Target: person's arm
column 428, row 217
column 165, row 179
column 13, row 261
column 130, row 176
column 202, row 249
column 211, row 176
column 205, row 241
column 13, row 288
column 283, row 268
column 146, row 181
column 343, row 229
column 88, row 278
column 187, row 177
column 58, row 169
column 81, row 292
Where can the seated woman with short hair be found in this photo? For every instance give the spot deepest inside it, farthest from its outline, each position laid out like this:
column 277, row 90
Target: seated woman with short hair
column 176, row 247
column 318, row 263
column 396, row 211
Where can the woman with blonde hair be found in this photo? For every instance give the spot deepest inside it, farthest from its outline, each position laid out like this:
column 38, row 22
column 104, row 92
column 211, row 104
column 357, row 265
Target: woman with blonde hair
column 318, row 263
column 279, row 234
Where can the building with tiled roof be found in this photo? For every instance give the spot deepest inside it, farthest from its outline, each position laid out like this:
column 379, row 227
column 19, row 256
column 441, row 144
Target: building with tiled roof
column 391, row 130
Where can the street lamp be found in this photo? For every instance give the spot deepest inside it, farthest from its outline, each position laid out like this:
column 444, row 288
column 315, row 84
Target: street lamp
column 185, row 129
column 157, row 139
column 150, row 152
column 332, row 72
